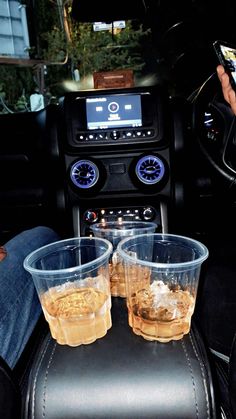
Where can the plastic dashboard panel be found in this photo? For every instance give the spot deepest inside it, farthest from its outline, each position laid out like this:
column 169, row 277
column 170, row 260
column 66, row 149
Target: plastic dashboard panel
column 119, row 171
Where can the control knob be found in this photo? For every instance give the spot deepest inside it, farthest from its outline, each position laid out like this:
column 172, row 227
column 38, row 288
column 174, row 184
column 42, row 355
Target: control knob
column 147, row 213
column 90, row 216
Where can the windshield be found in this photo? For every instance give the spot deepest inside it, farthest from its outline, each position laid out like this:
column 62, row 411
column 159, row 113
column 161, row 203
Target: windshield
column 59, row 54
column 50, row 47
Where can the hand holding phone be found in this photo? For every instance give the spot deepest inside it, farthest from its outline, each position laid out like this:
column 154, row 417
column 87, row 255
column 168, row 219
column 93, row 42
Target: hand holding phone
column 226, row 54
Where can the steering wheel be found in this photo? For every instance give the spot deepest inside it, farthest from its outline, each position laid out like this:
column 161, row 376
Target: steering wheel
column 214, row 126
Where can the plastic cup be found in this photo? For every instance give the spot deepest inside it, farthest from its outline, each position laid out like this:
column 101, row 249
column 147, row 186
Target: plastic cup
column 72, row 281
column 114, row 231
column 162, row 275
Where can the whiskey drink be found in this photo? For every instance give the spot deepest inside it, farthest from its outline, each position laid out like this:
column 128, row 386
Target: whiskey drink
column 137, row 274
column 77, row 315
column 158, row 313
column 71, row 277
column 115, row 231
column 161, row 309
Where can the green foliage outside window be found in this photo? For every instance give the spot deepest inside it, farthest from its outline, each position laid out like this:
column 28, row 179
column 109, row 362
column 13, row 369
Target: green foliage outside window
column 91, row 51
column 77, row 48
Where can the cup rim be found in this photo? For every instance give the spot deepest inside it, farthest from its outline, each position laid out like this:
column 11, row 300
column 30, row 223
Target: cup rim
column 146, row 224
column 52, row 245
column 164, row 236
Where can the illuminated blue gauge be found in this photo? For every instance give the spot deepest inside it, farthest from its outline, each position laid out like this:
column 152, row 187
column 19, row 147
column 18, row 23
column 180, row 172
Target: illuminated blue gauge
column 84, row 174
column 150, row 170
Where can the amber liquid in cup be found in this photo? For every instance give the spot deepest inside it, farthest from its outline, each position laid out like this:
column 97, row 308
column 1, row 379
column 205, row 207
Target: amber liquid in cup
column 117, row 277
column 159, row 313
column 115, row 231
column 77, row 315
column 162, row 308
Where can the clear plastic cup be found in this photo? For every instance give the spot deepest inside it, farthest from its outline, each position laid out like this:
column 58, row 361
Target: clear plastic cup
column 114, row 231
column 72, row 281
column 162, row 275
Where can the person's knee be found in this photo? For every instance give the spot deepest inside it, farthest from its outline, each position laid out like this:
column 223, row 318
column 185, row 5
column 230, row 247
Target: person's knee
column 29, row 240
column 44, row 234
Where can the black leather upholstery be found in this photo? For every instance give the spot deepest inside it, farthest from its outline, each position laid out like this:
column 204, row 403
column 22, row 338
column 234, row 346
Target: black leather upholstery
column 10, row 398
column 121, row 376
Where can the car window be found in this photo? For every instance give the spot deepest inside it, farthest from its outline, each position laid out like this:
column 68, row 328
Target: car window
column 55, row 53
column 47, row 48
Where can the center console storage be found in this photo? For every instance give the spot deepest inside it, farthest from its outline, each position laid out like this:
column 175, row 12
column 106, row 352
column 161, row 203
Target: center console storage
column 119, row 150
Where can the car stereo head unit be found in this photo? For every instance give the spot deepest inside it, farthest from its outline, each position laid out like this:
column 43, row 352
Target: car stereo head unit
column 113, row 111
column 113, row 116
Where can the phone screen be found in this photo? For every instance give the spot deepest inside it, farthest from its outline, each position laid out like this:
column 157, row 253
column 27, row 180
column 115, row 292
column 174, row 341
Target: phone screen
column 227, row 57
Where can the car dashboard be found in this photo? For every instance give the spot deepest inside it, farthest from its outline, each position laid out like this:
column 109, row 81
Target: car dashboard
column 127, row 154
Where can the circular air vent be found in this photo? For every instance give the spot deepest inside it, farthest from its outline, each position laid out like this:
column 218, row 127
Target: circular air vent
column 150, row 170
column 84, row 174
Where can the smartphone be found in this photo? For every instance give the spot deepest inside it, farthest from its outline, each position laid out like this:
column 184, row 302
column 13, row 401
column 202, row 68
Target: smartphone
column 226, row 54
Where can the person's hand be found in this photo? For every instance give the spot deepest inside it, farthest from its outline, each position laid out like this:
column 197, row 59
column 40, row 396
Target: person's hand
column 227, row 90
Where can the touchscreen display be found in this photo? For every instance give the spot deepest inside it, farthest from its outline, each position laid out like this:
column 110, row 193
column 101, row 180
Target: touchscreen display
column 114, row 111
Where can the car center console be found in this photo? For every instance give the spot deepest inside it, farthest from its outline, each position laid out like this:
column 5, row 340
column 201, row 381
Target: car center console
column 117, row 149
column 116, row 152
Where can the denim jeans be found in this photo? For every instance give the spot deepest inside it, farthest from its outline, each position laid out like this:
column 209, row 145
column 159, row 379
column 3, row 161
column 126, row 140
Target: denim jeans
column 19, row 305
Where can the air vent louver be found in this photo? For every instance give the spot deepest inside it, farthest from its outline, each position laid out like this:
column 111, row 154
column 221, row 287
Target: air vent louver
column 84, row 174
column 150, row 170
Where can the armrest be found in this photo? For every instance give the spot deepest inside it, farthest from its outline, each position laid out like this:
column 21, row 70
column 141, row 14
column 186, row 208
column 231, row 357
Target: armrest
column 121, row 376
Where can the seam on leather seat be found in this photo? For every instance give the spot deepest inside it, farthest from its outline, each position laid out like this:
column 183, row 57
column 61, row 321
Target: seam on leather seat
column 45, row 380
column 191, row 373
column 36, row 376
column 204, row 378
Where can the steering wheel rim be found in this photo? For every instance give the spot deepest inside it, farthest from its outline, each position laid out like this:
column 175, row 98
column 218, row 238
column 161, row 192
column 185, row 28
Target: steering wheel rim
column 214, row 127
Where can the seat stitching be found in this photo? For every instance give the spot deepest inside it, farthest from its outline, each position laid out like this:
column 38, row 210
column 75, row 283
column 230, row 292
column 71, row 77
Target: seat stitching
column 192, row 377
column 204, row 379
column 45, row 380
column 36, row 376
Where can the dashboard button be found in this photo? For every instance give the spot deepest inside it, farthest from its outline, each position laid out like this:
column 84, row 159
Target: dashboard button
column 101, row 136
column 81, row 137
column 115, row 135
